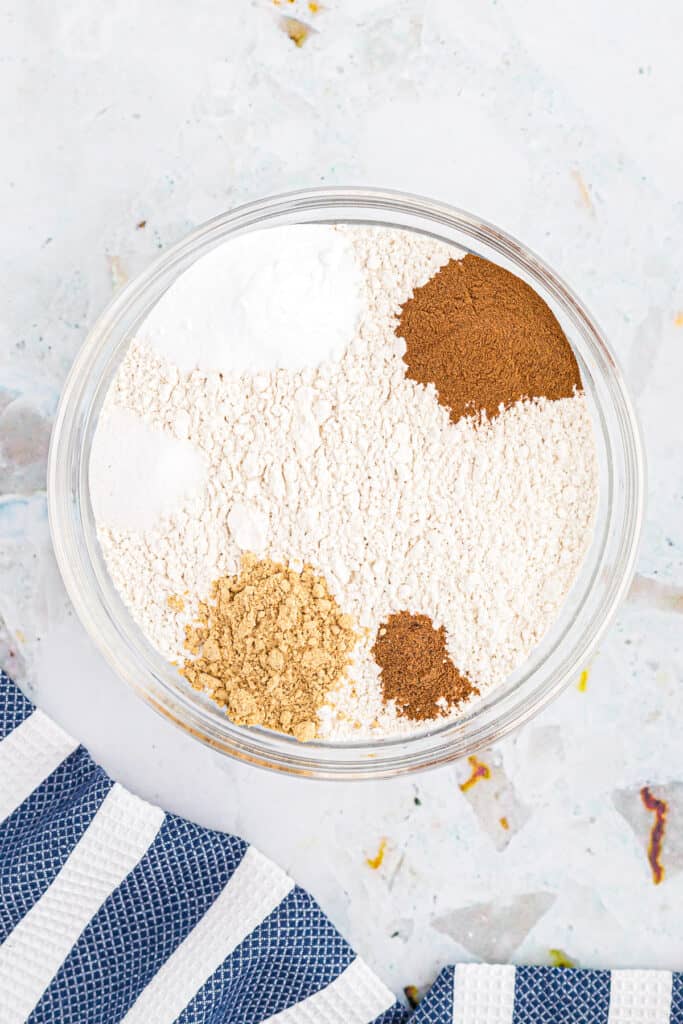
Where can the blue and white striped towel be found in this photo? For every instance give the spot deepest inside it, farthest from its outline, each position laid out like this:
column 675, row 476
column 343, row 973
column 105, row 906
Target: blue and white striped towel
column 111, row 910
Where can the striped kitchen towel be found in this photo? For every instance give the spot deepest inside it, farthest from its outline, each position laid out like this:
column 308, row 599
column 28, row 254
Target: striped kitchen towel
column 111, row 910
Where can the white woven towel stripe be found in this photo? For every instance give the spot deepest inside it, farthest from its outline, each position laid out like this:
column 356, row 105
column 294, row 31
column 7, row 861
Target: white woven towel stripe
column 640, row 997
column 28, row 755
column 483, row 994
column 355, row 997
column 108, row 850
column 255, row 889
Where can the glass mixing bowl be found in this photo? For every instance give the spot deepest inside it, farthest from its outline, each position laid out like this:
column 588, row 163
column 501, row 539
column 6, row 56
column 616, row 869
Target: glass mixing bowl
column 565, row 650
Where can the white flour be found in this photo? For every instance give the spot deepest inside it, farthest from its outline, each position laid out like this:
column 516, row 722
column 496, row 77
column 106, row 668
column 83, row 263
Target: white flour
column 356, row 469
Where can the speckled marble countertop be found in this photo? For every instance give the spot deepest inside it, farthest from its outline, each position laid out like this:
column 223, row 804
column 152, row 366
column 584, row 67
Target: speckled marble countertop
column 125, row 125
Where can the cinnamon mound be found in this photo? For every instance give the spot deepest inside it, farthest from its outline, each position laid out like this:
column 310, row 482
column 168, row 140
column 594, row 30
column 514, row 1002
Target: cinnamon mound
column 485, row 339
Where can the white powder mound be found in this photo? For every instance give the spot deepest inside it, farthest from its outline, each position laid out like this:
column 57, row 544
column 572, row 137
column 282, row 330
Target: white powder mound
column 356, row 469
column 285, row 296
column 139, row 474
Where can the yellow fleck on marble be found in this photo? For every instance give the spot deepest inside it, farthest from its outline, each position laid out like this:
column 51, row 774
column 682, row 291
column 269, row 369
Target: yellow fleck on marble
column 298, row 31
column 583, row 191
column 558, row 958
column 479, row 771
column 376, row 861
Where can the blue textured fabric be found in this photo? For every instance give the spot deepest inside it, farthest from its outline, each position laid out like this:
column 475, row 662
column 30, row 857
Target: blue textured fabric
column 264, row 974
column 437, row 1005
column 398, row 1015
column 14, row 707
column 38, row 837
column 677, row 999
column 141, row 923
column 292, row 954
column 180, row 871
column 555, row 995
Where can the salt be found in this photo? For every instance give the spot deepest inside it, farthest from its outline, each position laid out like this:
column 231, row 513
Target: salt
column 138, row 473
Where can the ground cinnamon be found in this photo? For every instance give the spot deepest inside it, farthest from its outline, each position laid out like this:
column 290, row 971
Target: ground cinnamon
column 416, row 671
column 485, row 339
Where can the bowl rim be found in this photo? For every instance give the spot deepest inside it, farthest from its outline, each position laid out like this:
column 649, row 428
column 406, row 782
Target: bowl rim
column 86, row 585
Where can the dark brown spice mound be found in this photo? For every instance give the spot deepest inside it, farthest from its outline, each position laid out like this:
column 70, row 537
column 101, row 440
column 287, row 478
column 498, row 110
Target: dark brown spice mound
column 416, row 669
column 485, row 338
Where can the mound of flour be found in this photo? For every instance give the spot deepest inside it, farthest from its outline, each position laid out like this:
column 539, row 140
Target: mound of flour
column 350, row 466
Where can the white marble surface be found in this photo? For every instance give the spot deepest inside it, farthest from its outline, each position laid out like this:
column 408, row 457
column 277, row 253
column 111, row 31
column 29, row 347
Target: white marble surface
column 562, row 124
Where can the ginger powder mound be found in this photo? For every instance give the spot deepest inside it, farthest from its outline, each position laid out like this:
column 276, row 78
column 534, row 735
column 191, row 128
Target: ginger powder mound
column 271, row 647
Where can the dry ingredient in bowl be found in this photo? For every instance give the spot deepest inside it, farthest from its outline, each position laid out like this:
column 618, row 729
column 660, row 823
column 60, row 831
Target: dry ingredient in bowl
column 152, row 477
column 426, row 454
column 269, row 646
column 417, row 673
column 485, row 339
column 215, row 317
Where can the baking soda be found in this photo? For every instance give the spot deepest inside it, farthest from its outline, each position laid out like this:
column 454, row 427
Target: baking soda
column 285, row 296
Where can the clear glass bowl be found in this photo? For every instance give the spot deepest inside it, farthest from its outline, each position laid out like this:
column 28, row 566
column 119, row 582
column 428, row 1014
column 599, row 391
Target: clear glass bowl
column 564, row 652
